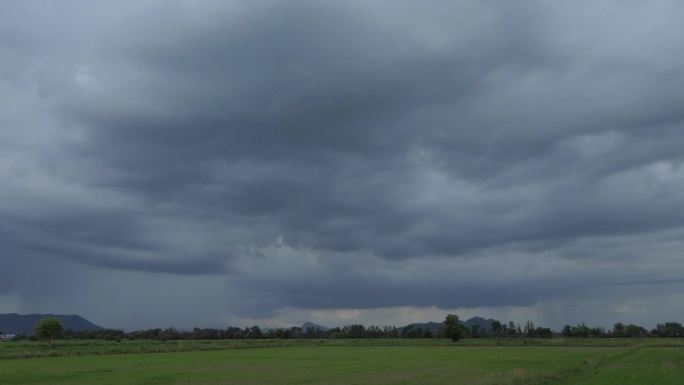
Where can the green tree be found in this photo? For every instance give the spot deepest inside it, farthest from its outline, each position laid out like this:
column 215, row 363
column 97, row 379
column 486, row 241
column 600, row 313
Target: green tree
column 580, row 331
column 476, row 331
column 635, row 331
column 619, row 330
column 255, row 332
column 452, row 328
column 567, row 331
column 511, row 330
column 669, row 329
column 496, row 327
column 411, row 331
column 282, row 334
column 540, row 332
column 48, row 328
column 597, row 332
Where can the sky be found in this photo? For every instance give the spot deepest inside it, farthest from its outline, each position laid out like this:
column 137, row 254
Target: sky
column 231, row 163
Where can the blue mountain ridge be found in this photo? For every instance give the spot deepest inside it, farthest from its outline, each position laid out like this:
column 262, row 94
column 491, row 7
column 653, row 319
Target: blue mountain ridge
column 17, row 323
column 484, row 324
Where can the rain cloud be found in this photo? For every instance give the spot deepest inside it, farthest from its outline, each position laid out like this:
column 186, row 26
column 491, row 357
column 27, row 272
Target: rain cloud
column 275, row 162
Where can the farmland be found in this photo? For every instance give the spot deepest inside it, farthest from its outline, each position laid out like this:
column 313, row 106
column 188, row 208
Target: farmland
column 434, row 361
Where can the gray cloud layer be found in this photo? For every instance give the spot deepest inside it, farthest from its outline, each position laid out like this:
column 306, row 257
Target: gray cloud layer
column 345, row 154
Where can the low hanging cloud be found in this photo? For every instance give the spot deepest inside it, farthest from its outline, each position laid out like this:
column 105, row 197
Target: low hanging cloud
column 346, row 155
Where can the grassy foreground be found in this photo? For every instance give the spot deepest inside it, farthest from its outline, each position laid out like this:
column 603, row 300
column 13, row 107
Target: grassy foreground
column 356, row 362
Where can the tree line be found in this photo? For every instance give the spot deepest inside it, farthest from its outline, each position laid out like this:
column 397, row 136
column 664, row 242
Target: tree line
column 451, row 328
column 620, row 330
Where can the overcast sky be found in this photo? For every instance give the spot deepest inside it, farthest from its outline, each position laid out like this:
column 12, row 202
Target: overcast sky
column 216, row 163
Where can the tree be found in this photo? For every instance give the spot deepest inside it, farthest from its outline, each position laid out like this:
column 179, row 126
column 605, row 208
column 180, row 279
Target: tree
column 255, row 332
column 496, row 327
column 669, row 329
column 541, row 332
column 452, row 328
column 48, row 328
column 636, row 331
column 282, row 334
column 511, row 331
column 411, row 331
column 619, row 330
column 567, row 331
column 597, row 332
column 580, row 331
column 476, row 331
column 529, row 329
column 355, row 331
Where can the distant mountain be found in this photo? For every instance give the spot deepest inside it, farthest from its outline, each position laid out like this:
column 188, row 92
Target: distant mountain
column 484, row 324
column 18, row 323
column 431, row 326
column 312, row 325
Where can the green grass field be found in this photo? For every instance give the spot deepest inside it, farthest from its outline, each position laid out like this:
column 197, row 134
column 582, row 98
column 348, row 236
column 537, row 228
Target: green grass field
column 554, row 361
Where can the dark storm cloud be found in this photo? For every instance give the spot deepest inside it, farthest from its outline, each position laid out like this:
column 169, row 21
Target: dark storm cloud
column 192, row 139
column 315, row 112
